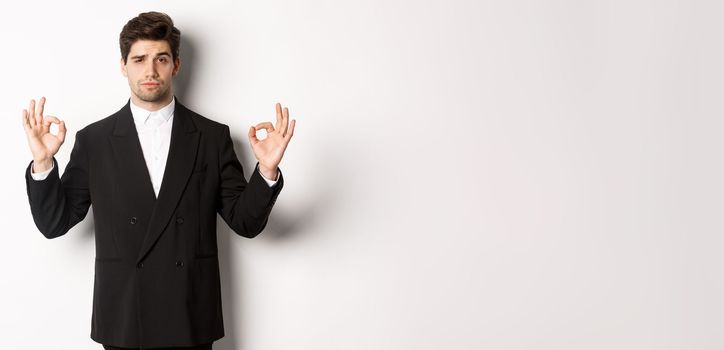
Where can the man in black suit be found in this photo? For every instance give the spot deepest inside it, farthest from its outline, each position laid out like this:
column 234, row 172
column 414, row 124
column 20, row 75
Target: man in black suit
column 157, row 174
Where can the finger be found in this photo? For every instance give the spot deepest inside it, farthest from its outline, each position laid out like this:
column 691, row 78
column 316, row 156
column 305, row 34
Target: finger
column 61, row 132
column 31, row 112
column 36, row 115
column 26, row 121
column 265, row 125
column 52, row 119
column 45, row 126
column 279, row 116
column 41, row 107
column 290, row 133
column 285, row 122
column 49, row 120
column 252, row 136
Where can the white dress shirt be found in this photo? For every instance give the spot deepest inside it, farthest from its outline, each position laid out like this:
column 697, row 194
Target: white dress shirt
column 154, row 133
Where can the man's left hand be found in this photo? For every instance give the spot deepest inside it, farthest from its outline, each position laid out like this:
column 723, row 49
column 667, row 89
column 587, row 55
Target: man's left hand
column 269, row 151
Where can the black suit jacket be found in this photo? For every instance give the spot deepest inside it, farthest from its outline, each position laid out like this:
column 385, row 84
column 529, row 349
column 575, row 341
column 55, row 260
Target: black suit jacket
column 156, row 268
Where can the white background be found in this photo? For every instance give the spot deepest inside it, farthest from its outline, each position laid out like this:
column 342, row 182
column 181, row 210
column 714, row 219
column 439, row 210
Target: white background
column 464, row 174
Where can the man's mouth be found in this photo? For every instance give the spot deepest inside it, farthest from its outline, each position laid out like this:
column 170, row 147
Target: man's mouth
column 150, row 84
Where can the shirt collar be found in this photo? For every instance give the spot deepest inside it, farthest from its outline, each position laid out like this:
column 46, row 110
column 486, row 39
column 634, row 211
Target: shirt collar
column 140, row 115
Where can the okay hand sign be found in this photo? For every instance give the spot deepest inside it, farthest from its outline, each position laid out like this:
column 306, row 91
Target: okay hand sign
column 269, row 151
column 43, row 144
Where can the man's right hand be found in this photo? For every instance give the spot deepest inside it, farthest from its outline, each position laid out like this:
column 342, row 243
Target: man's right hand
column 43, row 144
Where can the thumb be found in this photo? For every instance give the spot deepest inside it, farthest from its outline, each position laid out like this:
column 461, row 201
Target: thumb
column 252, row 136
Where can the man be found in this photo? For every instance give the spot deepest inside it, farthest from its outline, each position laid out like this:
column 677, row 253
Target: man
column 157, row 174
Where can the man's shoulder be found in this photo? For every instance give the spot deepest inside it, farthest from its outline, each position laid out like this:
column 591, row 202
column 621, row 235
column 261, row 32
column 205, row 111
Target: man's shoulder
column 103, row 126
column 100, row 125
column 214, row 131
column 201, row 122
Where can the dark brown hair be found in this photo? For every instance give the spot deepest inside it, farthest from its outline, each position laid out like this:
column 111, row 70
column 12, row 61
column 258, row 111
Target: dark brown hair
column 150, row 26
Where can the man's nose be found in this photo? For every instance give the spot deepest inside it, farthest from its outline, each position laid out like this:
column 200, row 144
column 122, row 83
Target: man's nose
column 151, row 70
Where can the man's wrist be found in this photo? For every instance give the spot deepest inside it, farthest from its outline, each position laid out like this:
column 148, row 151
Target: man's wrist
column 41, row 165
column 270, row 174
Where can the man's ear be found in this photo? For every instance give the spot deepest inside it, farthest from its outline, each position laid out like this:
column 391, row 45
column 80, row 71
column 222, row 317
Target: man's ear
column 176, row 65
column 123, row 68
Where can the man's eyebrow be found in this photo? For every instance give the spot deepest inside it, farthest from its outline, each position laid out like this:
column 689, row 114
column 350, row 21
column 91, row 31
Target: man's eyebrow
column 157, row 55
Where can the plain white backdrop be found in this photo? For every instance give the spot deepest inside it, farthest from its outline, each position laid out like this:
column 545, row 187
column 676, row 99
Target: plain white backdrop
column 464, row 174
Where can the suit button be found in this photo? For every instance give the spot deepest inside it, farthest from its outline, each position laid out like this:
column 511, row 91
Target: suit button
column 179, row 263
column 179, row 220
column 140, row 265
column 133, row 220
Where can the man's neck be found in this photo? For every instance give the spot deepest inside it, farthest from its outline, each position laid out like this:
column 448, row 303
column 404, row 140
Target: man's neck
column 151, row 106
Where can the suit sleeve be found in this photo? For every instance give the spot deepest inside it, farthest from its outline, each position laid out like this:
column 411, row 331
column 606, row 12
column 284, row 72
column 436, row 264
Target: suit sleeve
column 244, row 206
column 59, row 203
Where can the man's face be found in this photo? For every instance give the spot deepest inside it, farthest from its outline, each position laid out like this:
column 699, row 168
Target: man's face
column 149, row 69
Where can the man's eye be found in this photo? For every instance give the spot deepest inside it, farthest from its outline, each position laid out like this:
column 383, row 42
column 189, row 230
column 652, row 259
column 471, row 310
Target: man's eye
column 162, row 59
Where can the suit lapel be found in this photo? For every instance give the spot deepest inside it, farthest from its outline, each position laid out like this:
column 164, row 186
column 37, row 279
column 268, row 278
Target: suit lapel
column 180, row 163
column 135, row 180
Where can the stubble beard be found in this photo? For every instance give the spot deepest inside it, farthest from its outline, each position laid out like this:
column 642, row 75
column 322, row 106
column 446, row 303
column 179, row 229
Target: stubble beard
column 153, row 95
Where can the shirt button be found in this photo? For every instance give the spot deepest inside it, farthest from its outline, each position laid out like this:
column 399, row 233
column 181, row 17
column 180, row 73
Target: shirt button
column 133, row 220
column 179, row 263
column 179, row 220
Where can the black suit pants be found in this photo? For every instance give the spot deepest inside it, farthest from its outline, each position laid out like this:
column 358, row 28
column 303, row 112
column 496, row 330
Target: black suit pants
column 199, row 347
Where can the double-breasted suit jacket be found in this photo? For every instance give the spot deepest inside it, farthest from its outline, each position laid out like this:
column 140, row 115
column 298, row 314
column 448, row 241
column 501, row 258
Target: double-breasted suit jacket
column 157, row 278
